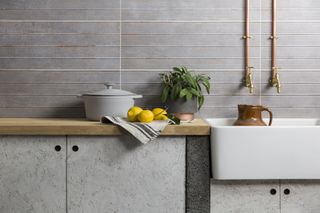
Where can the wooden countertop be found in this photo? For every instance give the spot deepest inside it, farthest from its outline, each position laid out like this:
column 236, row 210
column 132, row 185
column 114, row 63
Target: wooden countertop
column 74, row 126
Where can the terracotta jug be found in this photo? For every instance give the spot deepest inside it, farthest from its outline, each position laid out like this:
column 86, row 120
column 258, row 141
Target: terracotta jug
column 251, row 115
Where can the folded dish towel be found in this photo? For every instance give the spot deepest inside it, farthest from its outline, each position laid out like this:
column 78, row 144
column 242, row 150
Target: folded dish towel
column 144, row 132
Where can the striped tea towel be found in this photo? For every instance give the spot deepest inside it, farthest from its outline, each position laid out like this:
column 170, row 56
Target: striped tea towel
column 144, row 132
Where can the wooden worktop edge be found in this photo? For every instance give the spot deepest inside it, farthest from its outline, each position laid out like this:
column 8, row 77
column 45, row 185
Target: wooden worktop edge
column 34, row 126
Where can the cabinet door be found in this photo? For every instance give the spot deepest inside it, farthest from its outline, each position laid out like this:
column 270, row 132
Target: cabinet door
column 32, row 174
column 245, row 197
column 300, row 196
column 120, row 175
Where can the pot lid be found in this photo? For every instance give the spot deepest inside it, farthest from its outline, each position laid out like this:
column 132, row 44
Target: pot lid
column 109, row 91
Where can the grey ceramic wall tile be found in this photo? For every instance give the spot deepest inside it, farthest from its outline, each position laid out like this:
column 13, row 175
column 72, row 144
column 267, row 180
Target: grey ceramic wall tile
column 59, row 27
column 185, row 4
column 225, row 89
column 61, row 52
column 40, row 101
column 202, row 14
column 59, row 63
column 291, row 101
column 149, row 76
column 295, row 77
column 60, row 39
column 51, row 4
column 185, row 28
column 292, row 14
column 194, row 63
column 48, row 89
column 61, row 14
column 230, row 101
column 231, row 112
column 293, row 52
column 303, row 89
column 218, row 112
column 184, row 51
column 223, row 40
column 201, row 34
column 305, row 27
column 293, row 4
column 286, row 112
column 51, row 76
column 42, row 112
column 210, row 101
column 143, row 88
column 296, row 40
column 293, row 63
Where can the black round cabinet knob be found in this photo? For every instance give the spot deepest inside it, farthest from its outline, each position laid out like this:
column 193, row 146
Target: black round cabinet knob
column 57, row 148
column 273, row 191
column 75, row 148
column 286, row 191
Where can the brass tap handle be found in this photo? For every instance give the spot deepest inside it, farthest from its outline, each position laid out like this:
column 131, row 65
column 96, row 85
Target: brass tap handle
column 246, row 37
column 273, row 37
column 275, row 80
column 278, row 83
column 249, row 80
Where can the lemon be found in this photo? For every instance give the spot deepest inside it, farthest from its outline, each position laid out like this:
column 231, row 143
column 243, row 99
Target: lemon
column 133, row 112
column 159, row 114
column 164, row 118
column 145, row 116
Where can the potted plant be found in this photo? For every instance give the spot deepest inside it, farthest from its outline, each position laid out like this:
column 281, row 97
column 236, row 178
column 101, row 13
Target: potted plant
column 183, row 92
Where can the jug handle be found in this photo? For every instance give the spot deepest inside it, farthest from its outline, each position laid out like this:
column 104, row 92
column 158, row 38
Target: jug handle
column 270, row 115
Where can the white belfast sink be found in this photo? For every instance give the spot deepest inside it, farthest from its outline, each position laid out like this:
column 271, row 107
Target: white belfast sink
column 289, row 149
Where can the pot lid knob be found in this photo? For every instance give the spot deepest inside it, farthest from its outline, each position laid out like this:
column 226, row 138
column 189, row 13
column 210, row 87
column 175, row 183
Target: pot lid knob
column 109, row 85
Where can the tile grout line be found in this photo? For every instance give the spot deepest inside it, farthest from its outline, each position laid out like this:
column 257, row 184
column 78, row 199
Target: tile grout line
column 260, row 53
column 120, row 44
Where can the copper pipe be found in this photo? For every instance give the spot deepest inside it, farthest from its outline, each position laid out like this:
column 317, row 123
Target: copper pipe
column 248, row 69
column 275, row 81
column 274, row 34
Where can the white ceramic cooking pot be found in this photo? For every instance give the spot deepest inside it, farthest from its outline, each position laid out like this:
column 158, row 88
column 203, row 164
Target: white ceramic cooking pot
column 109, row 101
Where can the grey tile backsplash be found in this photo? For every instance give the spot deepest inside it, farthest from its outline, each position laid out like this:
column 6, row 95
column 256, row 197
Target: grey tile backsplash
column 52, row 50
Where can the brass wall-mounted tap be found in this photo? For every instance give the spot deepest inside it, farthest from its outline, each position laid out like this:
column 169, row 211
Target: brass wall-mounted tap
column 275, row 80
column 249, row 79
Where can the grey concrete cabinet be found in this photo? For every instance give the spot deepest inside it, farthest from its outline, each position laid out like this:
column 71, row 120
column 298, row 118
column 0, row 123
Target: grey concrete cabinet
column 244, row 197
column 303, row 197
column 32, row 174
column 299, row 196
column 118, row 174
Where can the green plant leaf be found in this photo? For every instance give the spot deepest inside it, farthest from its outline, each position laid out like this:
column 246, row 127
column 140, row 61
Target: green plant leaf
column 165, row 94
column 194, row 92
column 177, row 69
column 175, row 91
column 173, row 120
column 206, row 84
column 184, row 69
column 182, row 83
column 183, row 93
column 200, row 101
column 189, row 96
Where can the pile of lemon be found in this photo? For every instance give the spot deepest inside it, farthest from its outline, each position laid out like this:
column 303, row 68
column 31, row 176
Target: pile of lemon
column 137, row 114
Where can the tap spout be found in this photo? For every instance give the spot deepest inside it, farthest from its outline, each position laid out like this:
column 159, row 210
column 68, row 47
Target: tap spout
column 275, row 80
column 249, row 80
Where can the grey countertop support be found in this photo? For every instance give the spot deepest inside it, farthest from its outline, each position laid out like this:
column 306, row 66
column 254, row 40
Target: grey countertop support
column 198, row 174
